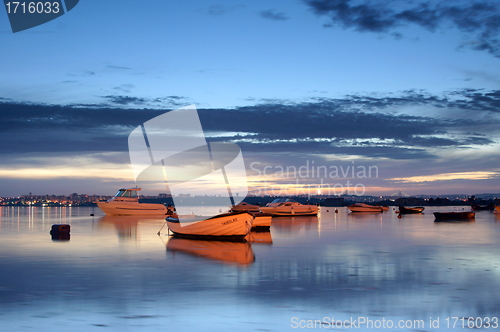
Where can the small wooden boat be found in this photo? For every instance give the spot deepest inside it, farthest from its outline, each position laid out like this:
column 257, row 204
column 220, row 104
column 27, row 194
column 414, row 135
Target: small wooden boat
column 243, row 206
column 482, row 207
column 407, row 210
column 384, row 207
column 226, row 225
column 441, row 216
column 361, row 207
column 289, row 207
column 262, row 220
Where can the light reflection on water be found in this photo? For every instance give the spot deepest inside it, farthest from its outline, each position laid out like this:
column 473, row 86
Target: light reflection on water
column 117, row 273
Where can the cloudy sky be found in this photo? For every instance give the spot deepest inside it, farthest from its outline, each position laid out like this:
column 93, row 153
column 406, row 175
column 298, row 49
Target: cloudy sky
column 408, row 88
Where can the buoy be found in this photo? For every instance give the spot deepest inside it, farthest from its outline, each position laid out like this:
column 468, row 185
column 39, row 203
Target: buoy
column 399, row 215
column 60, row 228
column 60, row 232
column 327, row 211
column 91, row 214
column 336, row 211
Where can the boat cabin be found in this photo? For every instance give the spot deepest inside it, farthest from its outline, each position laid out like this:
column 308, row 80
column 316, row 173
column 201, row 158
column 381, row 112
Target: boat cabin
column 127, row 195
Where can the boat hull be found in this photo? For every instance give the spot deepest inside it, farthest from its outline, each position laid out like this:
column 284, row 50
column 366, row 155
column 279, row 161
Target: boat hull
column 406, row 210
column 114, row 208
column 244, row 207
column 481, row 208
column 440, row 216
column 228, row 225
column 365, row 208
column 262, row 220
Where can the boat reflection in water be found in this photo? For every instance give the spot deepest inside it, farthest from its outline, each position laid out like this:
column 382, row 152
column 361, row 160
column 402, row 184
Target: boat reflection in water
column 226, row 252
column 126, row 226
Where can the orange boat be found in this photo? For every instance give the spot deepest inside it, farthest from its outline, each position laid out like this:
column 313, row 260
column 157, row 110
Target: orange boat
column 230, row 225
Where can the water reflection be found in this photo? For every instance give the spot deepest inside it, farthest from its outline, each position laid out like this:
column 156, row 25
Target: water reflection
column 126, row 226
column 259, row 237
column 294, row 226
column 337, row 265
column 227, row 252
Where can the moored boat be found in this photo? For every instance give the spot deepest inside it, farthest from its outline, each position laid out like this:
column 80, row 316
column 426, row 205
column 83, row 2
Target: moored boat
column 407, row 210
column 384, row 207
column 226, row 225
column 482, row 207
column 126, row 203
column 440, row 216
column 289, row 207
column 361, row 207
column 262, row 220
column 243, row 206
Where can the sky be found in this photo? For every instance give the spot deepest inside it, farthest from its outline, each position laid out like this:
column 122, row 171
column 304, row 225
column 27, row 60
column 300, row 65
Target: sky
column 407, row 89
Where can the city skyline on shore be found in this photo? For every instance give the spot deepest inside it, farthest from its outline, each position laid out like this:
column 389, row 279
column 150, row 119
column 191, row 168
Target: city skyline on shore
column 407, row 90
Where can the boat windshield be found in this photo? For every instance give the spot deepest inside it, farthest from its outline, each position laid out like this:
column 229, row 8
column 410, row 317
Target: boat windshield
column 126, row 193
column 282, row 200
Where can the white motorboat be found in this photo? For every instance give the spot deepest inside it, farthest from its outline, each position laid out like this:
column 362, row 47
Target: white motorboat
column 243, row 206
column 126, row 203
column 289, row 207
column 232, row 224
column 361, row 207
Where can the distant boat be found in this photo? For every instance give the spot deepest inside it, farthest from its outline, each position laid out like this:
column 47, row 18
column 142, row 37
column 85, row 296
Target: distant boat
column 361, row 207
column 226, row 225
column 243, row 206
column 441, row 216
column 126, row 203
column 482, row 207
column 407, row 210
column 262, row 220
column 289, row 207
column 384, row 207
column 227, row 252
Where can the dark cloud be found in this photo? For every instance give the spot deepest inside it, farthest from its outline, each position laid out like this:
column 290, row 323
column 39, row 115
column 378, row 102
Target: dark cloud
column 167, row 102
column 480, row 21
column 274, row 15
column 117, row 67
column 367, row 126
column 125, row 100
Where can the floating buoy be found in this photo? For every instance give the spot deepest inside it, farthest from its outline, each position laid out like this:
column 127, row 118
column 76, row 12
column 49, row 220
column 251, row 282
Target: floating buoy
column 336, row 211
column 327, row 211
column 60, row 232
column 399, row 215
column 91, row 214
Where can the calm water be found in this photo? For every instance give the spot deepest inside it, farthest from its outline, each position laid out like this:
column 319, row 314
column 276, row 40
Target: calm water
column 117, row 274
